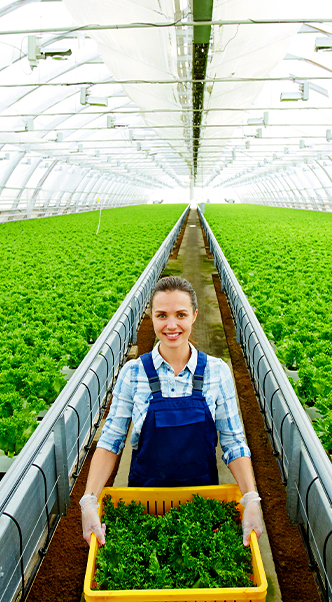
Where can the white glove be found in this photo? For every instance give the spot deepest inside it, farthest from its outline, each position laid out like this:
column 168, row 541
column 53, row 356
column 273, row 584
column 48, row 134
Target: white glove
column 90, row 519
column 252, row 520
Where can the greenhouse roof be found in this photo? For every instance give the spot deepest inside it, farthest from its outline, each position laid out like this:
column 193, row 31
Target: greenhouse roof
column 124, row 101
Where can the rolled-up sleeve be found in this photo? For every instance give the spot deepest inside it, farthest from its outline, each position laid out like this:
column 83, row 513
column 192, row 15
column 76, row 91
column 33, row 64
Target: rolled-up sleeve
column 228, row 423
column 116, row 426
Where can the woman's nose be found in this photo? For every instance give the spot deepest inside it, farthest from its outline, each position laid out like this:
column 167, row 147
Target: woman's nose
column 171, row 322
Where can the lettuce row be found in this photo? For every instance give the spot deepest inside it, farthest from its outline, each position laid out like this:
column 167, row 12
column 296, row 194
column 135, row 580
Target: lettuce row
column 60, row 284
column 283, row 261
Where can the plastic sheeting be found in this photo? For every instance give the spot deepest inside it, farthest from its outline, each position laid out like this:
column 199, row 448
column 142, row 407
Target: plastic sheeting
column 141, row 55
column 240, row 51
column 56, row 151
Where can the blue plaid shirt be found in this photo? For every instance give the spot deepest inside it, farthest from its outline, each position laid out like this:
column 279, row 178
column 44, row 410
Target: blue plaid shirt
column 132, row 395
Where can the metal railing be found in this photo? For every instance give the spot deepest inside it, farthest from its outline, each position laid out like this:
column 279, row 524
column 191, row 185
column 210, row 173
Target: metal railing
column 305, row 467
column 36, row 489
column 16, row 204
column 310, row 204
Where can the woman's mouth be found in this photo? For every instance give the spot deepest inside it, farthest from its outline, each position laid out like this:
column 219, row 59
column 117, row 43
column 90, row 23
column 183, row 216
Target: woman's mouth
column 172, row 335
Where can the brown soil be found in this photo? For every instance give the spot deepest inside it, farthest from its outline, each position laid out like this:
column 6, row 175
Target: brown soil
column 177, row 245
column 296, row 580
column 61, row 575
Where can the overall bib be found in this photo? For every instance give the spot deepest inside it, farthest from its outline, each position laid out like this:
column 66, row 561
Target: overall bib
column 177, row 444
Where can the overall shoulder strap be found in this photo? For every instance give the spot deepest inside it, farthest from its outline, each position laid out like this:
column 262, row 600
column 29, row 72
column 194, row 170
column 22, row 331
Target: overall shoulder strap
column 199, row 372
column 151, row 373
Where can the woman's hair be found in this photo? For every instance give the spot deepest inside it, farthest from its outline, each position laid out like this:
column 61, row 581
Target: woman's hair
column 174, row 283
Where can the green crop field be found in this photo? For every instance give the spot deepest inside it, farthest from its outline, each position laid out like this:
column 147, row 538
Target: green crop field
column 60, row 283
column 283, row 261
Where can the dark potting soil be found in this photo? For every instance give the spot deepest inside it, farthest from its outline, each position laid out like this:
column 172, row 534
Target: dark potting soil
column 296, row 580
column 61, row 575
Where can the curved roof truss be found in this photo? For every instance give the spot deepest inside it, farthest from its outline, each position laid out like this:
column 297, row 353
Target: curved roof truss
column 135, row 100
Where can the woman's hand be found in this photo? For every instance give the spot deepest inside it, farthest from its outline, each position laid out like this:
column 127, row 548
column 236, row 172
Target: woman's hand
column 90, row 519
column 252, row 520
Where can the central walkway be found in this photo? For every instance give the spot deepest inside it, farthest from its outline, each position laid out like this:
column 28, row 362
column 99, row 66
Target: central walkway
column 208, row 332
column 208, row 335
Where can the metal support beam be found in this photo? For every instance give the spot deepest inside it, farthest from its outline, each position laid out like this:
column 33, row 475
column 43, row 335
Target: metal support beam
column 61, row 466
column 292, row 502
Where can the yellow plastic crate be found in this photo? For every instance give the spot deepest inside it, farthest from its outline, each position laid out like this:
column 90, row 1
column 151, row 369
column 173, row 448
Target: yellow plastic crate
column 158, row 501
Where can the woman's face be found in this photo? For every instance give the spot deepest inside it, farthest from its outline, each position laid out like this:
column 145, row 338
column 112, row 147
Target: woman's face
column 173, row 317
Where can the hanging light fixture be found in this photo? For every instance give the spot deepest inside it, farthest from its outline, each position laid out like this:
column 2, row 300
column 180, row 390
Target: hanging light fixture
column 323, row 44
column 35, row 53
column 86, row 99
column 302, row 95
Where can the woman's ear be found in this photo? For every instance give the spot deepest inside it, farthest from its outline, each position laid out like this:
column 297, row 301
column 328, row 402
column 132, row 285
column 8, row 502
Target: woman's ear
column 195, row 315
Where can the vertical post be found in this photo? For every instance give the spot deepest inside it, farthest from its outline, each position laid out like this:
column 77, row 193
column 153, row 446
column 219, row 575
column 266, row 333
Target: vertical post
column 238, row 323
column 221, row 276
column 61, row 465
column 292, row 502
column 29, row 202
column 134, row 312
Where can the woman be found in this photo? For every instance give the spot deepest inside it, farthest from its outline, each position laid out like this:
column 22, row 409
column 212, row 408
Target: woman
column 178, row 398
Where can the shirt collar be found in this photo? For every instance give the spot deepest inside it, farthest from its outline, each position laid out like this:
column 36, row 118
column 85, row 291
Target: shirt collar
column 158, row 359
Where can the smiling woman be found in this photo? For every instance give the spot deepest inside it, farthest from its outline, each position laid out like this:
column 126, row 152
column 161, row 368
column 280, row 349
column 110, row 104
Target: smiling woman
column 173, row 313
column 178, row 399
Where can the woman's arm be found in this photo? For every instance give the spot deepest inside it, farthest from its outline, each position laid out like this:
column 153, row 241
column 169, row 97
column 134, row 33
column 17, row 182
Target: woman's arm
column 103, row 460
column 101, row 467
column 236, row 454
column 241, row 470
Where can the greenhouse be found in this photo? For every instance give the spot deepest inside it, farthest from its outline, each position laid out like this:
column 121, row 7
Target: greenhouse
column 159, row 156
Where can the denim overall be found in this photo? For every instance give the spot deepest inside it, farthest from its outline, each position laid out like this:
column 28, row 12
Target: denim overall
column 177, row 444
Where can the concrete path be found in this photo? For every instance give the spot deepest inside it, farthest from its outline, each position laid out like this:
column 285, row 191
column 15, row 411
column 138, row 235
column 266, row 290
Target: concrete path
column 208, row 335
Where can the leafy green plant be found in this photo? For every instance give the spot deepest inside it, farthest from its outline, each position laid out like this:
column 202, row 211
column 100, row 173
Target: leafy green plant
column 198, row 544
column 323, row 424
column 282, row 258
column 291, row 353
column 60, row 284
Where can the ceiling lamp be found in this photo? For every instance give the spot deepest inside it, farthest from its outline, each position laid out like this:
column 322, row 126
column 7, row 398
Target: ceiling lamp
column 27, row 127
column 35, row 54
column 323, row 44
column 302, row 95
column 86, row 99
column 260, row 120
